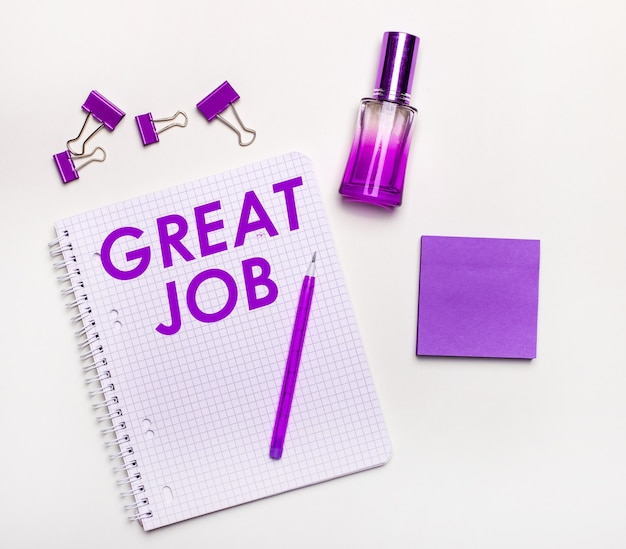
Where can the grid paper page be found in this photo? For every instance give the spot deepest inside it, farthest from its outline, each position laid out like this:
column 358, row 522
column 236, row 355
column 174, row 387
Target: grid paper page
column 198, row 403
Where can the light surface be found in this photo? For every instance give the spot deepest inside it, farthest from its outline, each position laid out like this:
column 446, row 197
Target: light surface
column 520, row 134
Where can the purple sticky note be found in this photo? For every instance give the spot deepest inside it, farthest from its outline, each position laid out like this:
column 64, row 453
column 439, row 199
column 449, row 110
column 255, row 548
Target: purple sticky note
column 478, row 297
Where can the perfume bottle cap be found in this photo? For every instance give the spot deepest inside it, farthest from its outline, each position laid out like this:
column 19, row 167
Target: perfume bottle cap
column 394, row 78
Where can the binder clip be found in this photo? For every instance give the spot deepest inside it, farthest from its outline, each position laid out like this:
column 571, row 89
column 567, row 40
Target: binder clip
column 68, row 169
column 103, row 111
column 147, row 126
column 218, row 101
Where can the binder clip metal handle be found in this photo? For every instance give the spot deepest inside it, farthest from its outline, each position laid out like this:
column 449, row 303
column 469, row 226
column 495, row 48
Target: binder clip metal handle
column 103, row 111
column 217, row 102
column 67, row 167
column 147, row 126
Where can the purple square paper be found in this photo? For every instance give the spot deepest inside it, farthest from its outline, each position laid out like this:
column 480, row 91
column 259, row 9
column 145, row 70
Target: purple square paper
column 478, row 297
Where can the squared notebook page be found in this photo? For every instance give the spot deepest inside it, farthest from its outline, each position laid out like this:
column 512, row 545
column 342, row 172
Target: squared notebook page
column 198, row 405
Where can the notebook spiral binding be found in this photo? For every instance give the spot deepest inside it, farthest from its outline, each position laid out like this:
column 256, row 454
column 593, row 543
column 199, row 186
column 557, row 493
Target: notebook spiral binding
column 99, row 380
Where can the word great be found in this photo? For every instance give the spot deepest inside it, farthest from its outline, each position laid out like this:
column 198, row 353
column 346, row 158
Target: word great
column 172, row 229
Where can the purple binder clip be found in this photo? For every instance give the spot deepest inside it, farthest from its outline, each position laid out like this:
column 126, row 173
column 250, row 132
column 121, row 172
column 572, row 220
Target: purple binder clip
column 103, row 111
column 147, row 126
column 218, row 101
column 68, row 169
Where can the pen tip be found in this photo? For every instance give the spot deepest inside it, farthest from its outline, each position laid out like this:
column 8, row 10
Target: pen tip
column 313, row 260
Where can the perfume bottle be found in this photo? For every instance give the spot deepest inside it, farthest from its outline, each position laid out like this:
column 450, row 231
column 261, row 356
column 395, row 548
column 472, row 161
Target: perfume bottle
column 377, row 162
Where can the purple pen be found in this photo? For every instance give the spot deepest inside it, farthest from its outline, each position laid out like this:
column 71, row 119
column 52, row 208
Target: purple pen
column 293, row 362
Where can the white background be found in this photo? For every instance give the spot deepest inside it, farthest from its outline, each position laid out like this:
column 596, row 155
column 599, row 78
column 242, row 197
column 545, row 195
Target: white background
column 521, row 133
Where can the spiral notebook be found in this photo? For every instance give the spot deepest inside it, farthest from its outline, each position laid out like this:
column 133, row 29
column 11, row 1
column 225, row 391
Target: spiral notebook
column 185, row 302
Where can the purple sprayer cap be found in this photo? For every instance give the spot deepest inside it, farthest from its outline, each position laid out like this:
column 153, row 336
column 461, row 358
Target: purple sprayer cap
column 394, row 78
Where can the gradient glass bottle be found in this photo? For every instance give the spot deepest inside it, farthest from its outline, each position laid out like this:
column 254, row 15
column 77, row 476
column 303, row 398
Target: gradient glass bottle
column 377, row 162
